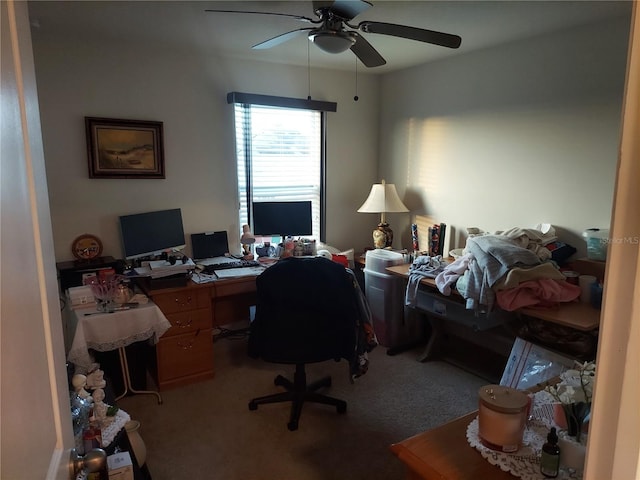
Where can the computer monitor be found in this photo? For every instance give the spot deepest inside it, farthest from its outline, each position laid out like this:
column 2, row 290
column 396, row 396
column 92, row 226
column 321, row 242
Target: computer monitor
column 151, row 233
column 209, row 245
column 282, row 218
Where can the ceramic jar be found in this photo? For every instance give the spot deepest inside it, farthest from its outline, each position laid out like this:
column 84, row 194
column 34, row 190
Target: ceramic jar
column 137, row 443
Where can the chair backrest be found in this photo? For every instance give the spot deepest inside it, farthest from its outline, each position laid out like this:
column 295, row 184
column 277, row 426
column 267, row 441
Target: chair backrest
column 306, row 312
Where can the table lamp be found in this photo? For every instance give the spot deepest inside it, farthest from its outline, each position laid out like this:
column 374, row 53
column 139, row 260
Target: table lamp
column 383, row 198
column 247, row 239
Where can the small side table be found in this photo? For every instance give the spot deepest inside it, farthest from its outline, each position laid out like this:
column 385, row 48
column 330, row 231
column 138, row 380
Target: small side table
column 114, row 331
column 443, row 453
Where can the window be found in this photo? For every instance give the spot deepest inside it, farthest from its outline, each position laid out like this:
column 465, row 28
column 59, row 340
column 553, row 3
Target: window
column 280, row 157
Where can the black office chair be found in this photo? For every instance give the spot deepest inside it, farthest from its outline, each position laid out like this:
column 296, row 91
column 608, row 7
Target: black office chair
column 306, row 312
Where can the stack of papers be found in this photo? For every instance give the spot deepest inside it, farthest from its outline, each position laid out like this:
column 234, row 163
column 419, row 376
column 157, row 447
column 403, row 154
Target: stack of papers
column 163, row 268
column 239, row 272
column 201, row 277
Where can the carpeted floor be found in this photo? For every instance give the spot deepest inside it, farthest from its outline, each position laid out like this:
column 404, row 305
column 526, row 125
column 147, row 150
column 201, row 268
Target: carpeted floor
column 206, row 431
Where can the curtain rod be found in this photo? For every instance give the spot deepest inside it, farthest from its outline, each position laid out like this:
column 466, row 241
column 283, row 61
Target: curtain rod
column 273, row 101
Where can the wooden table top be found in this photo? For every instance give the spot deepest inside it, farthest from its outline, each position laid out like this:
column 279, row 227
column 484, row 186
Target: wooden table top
column 443, row 453
column 577, row 315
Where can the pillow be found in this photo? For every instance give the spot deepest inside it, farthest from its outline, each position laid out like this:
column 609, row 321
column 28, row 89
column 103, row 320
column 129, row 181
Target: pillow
column 349, row 255
column 334, row 251
column 341, row 259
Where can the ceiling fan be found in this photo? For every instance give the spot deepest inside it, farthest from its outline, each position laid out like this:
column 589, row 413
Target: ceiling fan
column 333, row 33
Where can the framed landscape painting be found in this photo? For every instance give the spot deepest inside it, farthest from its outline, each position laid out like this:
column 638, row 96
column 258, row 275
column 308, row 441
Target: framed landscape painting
column 124, row 148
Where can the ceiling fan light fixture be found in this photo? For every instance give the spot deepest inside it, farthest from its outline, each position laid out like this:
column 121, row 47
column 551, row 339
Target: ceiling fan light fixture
column 331, row 41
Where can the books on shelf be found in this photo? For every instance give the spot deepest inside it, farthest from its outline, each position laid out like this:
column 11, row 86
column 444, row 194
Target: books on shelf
column 436, row 239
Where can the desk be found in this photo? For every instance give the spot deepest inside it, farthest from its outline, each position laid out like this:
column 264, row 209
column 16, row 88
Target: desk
column 185, row 353
column 581, row 317
column 576, row 315
column 111, row 331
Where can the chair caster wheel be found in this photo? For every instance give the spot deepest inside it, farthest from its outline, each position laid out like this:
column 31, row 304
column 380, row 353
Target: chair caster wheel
column 253, row 405
column 292, row 426
column 341, row 409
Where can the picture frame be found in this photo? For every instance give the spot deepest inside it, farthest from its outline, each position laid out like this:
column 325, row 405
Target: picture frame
column 124, row 148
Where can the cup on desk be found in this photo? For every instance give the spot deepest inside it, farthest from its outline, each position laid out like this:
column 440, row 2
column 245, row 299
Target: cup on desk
column 585, row 282
column 571, row 276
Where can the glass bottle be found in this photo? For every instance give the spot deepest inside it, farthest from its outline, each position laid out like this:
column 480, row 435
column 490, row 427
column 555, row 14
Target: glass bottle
column 80, row 412
column 550, row 459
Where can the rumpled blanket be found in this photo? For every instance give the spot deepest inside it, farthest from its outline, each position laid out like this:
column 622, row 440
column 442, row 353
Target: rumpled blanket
column 541, row 293
column 532, row 239
column 493, row 256
column 451, row 273
column 518, row 275
column 423, row 266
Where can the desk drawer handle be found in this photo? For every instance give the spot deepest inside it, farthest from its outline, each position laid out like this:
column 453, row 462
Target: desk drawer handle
column 184, row 324
column 186, row 303
column 189, row 344
column 186, row 345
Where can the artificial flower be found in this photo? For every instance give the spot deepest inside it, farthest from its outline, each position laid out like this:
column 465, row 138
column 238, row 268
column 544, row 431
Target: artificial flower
column 574, row 393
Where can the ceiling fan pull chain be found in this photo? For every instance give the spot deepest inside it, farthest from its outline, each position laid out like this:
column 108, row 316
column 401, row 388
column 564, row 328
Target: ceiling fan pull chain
column 308, row 72
column 355, row 98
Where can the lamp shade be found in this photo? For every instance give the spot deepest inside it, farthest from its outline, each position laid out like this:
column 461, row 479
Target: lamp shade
column 247, row 237
column 383, row 198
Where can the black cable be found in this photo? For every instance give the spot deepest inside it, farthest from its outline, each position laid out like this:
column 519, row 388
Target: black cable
column 231, row 334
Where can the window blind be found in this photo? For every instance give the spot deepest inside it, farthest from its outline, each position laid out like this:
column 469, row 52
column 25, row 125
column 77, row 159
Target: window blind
column 279, row 155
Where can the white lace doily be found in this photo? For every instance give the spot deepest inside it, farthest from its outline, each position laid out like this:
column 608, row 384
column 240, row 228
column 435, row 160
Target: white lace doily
column 109, row 432
column 525, row 463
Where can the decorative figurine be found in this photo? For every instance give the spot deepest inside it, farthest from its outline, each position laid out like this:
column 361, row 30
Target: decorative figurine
column 100, row 409
column 95, row 380
column 79, row 381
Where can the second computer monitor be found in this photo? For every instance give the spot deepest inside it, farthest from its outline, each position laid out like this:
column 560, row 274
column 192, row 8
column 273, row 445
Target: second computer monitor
column 282, row 218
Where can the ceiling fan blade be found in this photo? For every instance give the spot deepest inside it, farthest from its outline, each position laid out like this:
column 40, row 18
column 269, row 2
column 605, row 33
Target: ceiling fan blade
column 297, row 17
column 345, row 9
column 412, row 33
column 366, row 53
column 277, row 40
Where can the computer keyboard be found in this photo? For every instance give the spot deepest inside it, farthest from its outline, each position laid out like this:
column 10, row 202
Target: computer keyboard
column 211, row 268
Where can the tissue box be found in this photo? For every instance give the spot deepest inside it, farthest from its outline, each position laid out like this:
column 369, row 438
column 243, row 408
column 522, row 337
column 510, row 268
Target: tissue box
column 80, row 297
column 120, row 466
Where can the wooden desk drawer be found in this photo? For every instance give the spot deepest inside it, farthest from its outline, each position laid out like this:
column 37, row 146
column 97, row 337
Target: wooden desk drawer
column 235, row 286
column 183, row 300
column 185, row 358
column 454, row 309
column 189, row 321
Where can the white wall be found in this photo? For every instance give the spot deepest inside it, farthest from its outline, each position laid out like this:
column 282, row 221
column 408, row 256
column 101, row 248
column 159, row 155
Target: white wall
column 510, row 136
column 31, row 339
column 187, row 91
